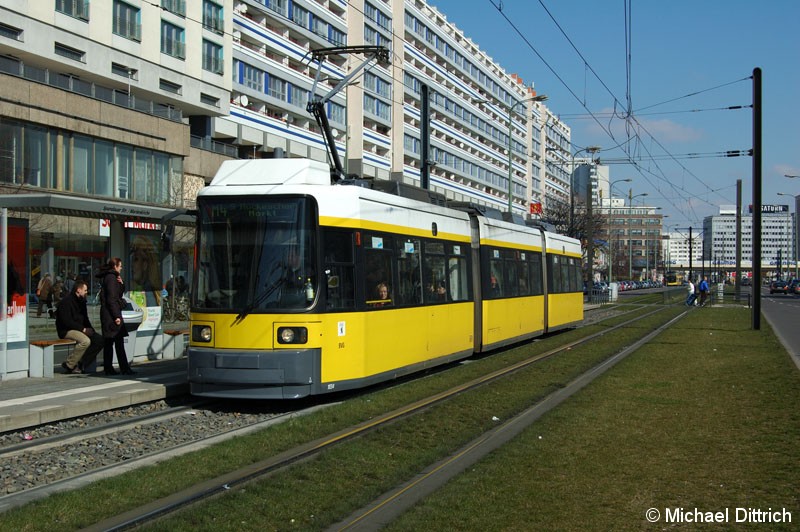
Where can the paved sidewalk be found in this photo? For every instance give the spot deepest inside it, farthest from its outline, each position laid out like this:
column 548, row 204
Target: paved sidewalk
column 28, row 402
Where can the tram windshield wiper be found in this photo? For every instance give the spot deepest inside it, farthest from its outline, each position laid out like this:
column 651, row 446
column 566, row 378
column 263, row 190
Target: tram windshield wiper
column 260, row 299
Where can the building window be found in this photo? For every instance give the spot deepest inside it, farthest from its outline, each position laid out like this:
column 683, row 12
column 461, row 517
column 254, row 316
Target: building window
column 10, row 32
column 173, row 40
column 74, row 8
column 207, row 99
column 337, row 37
column 252, row 77
column 168, row 86
column 212, row 57
column 300, row 16
column 336, row 113
column 69, row 52
column 298, row 96
column 278, row 6
column 212, row 17
column 127, row 21
column 124, row 71
column 383, row 110
column 277, row 88
column 177, row 7
column 319, row 26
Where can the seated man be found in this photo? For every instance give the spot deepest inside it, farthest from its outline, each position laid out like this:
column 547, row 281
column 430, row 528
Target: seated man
column 72, row 321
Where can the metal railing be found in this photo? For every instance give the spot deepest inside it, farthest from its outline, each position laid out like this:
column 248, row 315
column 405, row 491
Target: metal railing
column 118, row 97
column 213, row 145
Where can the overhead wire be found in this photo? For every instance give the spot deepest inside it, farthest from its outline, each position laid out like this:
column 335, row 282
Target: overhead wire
column 633, row 136
column 628, row 117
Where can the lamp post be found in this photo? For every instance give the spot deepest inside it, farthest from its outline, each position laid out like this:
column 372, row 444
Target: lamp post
column 591, row 150
column 510, row 110
column 659, row 251
column 788, row 224
column 630, row 240
column 647, row 248
column 610, row 254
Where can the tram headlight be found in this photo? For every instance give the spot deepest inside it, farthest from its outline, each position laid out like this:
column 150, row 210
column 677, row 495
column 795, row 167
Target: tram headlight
column 292, row 335
column 201, row 333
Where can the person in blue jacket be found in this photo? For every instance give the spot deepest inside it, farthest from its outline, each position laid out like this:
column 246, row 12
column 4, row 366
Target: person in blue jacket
column 703, row 288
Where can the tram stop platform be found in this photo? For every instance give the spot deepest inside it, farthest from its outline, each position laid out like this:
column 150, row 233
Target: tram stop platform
column 34, row 401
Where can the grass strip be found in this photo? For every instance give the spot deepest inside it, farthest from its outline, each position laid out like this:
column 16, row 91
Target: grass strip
column 70, row 510
column 707, row 417
column 317, row 493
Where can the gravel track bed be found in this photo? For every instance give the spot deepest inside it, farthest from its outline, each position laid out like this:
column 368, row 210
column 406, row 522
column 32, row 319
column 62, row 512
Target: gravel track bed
column 29, row 470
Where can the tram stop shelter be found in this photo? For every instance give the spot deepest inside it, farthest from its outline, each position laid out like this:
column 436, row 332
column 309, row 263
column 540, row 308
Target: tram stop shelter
column 128, row 229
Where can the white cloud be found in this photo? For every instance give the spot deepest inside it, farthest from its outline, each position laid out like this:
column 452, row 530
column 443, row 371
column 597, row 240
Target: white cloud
column 664, row 130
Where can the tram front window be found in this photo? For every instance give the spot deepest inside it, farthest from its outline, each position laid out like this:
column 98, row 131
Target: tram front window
column 255, row 255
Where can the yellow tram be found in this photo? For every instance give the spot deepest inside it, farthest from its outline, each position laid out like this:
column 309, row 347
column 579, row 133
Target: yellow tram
column 305, row 287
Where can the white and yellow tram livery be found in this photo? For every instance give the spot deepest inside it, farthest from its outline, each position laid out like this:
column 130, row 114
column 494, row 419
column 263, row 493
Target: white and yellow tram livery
column 304, row 287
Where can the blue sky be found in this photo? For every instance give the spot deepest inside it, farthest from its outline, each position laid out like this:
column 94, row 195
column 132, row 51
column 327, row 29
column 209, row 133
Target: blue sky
column 703, row 48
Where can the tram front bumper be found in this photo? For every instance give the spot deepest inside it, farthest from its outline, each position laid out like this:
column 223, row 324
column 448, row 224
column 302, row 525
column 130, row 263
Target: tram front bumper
column 214, row 369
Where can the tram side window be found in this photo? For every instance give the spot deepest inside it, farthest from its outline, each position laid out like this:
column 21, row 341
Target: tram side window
column 409, row 276
column 378, row 289
column 556, row 284
column 458, row 273
column 511, row 273
column 566, row 275
column 495, row 288
column 575, row 278
column 434, row 271
column 523, row 274
column 339, row 267
column 536, row 274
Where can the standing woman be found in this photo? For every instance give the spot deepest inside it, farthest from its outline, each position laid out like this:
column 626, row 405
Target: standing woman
column 114, row 332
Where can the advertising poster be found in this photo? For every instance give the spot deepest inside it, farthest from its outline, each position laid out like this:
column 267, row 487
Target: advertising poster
column 143, row 275
column 16, row 302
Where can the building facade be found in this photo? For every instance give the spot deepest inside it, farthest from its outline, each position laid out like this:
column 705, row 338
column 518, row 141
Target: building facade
column 632, row 238
column 778, row 241
column 99, row 100
column 474, row 102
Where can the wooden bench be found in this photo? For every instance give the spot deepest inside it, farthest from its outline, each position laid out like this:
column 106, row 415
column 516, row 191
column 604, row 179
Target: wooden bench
column 175, row 346
column 40, row 356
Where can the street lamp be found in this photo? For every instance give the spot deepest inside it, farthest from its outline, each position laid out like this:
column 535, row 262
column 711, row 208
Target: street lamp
column 647, row 247
column 794, row 255
column 658, row 252
column 630, row 241
column 610, row 249
column 510, row 110
column 591, row 150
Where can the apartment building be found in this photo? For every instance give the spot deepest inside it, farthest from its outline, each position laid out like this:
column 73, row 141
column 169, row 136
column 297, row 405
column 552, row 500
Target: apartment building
column 114, row 112
column 377, row 120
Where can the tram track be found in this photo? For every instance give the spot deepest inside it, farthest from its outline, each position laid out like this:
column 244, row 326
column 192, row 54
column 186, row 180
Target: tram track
column 72, row 458
column 262, row 469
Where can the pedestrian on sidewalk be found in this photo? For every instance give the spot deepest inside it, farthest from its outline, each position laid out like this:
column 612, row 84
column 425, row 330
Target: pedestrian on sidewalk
column 44, row 291
column 72, row 322
column 692, row 295
column 111, row 304
column 703, row 288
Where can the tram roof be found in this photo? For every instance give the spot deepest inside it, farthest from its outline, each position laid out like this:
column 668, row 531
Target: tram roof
column 66, row 205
